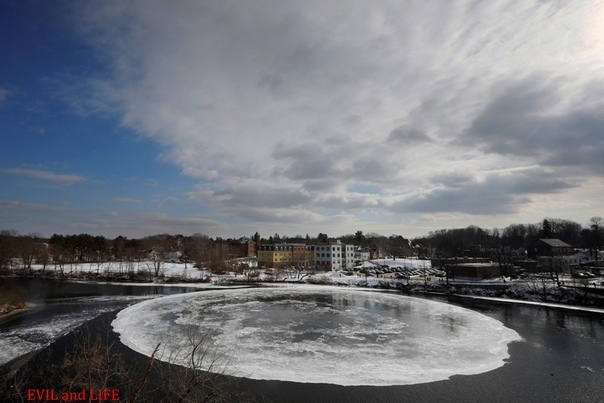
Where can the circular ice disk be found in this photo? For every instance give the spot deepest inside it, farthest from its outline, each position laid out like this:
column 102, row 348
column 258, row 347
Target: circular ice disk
column 318, row 335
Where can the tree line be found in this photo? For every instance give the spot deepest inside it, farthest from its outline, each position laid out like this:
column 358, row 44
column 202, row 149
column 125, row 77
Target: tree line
column 85, row 248
column 201, row 249
column 452, row 242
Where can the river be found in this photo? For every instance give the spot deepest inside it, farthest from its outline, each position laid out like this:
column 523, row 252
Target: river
column 560, row 357
column 54, row 308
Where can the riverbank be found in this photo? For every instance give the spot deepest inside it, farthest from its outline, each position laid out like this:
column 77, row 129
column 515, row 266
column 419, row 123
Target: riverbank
column 540, row 289
column 523, row 291
column 11, row 299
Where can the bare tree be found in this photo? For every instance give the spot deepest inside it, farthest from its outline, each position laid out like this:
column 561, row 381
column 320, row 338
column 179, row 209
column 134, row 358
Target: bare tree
column 192, row 370
column 93, row 363
column 504, row 258
column 26, row 247
column 156, row 261
column 539, row 286
column 596, row 226
column 201, row 376
column 199, row 250
column 7, row 248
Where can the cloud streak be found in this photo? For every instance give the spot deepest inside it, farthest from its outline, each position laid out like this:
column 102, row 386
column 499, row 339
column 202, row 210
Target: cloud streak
column 63, row 179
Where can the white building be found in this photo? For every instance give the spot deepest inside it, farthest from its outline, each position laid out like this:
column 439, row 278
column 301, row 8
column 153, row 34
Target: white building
column 576, row 259
column 363, row 254
column 335, row 255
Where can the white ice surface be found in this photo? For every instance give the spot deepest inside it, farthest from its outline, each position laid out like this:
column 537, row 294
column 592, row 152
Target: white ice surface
column 344, row 336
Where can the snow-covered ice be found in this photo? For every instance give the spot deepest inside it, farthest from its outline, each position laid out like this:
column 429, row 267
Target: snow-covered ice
column 321, row 334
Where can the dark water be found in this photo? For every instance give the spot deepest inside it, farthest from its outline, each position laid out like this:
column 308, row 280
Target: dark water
column 561, row 357
column 47, row 290
column 56, row 307
column 46, row 298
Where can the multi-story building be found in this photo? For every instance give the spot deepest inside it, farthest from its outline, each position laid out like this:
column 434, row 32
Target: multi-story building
column 282, row 255
column 235, row 248
column 329, row 256
column 310, row 254
column 334, row 255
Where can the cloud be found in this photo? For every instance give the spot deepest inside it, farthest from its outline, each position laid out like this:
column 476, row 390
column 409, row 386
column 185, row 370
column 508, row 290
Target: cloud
column 250, row 194
column 304, row 161
column 452, row 179
column 406, row 135
column 371, row 169
column 64, row 179
column 491, row 195
column 534, row 119
column 273, row 105
column 21, row 205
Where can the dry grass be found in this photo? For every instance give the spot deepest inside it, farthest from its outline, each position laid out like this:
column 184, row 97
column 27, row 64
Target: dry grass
column 11, row 298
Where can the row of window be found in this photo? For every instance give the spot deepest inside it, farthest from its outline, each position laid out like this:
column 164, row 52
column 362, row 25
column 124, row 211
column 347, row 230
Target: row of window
column 349, row 255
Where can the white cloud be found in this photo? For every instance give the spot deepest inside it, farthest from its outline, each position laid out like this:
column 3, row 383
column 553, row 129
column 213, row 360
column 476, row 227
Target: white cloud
column 286, row 105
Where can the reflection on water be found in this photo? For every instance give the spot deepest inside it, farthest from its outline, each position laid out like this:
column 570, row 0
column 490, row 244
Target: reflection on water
column 47, row 290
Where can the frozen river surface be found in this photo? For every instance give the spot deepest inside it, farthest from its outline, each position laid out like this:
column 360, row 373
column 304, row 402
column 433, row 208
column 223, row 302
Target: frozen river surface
column 320, row 335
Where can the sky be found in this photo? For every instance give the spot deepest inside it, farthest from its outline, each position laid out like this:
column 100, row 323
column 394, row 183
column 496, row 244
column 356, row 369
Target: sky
column 294, row 117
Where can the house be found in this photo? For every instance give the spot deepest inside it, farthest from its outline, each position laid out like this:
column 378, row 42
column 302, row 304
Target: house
column 576, row 259
column 549, row 247
column 364, row 254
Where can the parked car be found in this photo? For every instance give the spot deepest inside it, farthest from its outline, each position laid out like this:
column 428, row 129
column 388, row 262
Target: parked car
column 599, row 283
column 583, row 274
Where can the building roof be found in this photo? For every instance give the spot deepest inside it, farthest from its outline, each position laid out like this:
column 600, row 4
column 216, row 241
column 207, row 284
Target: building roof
column 555, row 243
